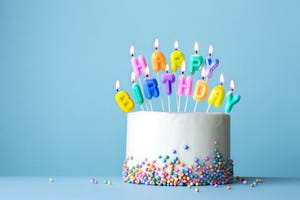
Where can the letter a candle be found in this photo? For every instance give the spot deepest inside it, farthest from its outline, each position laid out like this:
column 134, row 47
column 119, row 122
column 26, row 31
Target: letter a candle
column 159, row 62
column 216, row 96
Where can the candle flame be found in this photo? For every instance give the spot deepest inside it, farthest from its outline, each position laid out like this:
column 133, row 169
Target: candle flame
column 147, row 71
column 167, row 68
column 183, row 66
column 132, row 77
column 221, row 79
column 131, row 50
column 176, row 45
column 203, row 72
column 156, row 43
column 196, row 47
column 232, row 85
column 210, row 50
column 117, row 85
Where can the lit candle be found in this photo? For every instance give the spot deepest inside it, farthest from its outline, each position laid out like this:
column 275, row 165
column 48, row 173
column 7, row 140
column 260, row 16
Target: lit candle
column 168, row 79
column 158, row 59
column 201, row 89
column 176, row 58
column 185, row 85
column 138, row 64
column 210, row 64
column 137, row 93
column 231, row 99
column 158, row 63
column 123, row 99
column 196, row 60
column 150, row 87
column 217, row 95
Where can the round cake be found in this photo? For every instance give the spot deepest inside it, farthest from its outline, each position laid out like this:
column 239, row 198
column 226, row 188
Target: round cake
column 178, row 149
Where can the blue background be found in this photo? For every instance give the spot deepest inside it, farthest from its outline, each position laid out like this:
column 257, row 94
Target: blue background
column 59, row 61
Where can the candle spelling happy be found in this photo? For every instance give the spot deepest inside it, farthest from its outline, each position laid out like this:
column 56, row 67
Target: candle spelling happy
column 216, row 96
column 231, row 99
column 176, row 58
column 159, row 62
column 123, row 99
column 210, row 64
column 195, row 60
column 168, row 79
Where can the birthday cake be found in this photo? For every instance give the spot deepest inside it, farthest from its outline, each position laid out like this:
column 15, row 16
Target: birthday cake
column 182, row 148
column 178, row 149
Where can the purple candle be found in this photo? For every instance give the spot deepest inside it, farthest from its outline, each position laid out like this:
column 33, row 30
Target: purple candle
column 168, row 79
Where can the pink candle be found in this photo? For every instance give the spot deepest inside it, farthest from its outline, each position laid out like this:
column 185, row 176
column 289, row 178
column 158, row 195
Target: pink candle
column 185, row 85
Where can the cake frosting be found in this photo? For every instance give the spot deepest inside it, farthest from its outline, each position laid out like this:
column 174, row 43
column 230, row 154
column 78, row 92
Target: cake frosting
column 178, row 149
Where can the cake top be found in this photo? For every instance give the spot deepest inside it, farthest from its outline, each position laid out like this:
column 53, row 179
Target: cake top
column 173, row 83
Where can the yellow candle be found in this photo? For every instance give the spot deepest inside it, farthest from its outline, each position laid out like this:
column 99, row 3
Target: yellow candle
column 123, row 99
column 176, row 58
column 217, row 94
column 158, row 59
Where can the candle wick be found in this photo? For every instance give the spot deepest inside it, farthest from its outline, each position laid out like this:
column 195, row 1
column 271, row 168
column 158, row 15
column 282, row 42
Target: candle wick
column 132, row 55
column 202, row 77
column 147, row 75
column 182, row 72
column 176, row 49
column 231, row 89
column 196, row 52
column 209, row 54
column 156, row 48
column 221, row 83
column 117, row 90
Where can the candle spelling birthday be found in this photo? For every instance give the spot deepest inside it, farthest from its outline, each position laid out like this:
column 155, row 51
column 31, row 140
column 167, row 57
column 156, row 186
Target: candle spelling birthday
column 123, row 99
column 216, row 96
column 139, row 66
column 137, row 93
column 201, row 89
column 150, row 87
column 185, row 85
column 168, row 79
column 231, row 99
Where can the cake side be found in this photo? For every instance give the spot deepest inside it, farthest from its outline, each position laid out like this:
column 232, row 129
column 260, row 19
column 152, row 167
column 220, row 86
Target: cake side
column 178, row 149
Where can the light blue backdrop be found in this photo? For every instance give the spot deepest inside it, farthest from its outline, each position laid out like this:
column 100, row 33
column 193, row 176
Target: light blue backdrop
column 59, row 61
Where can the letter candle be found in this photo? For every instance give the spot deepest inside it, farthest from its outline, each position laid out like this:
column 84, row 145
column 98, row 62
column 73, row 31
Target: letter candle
column 216, row 96
column 176, row 60
column 231, row 99
column 138, row 65
column 150, row 87
column 185, row 85
column 196, row 60
column 123, row 99
column 159, row 62
column 210, row 64
column 168, row 79
column 137, row 93
column 201, row 89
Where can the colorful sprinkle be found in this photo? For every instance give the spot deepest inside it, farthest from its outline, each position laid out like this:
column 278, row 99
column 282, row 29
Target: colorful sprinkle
column 244, row 182
column 176, row 173
column 252, row 185
column 185, row 147
column 216, row 142
column 174, row 151
column 228, row 187
column 51, row 180
column 197, row 190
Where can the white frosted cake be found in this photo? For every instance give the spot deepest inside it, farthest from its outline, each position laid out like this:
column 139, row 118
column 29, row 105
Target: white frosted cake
column 178, row 149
